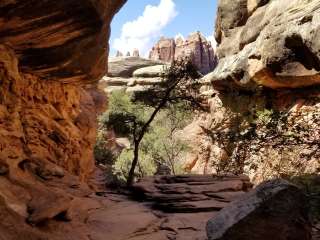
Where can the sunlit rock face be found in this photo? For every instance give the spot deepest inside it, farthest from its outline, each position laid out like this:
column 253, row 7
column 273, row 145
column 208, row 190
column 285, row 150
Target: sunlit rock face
column 52, row 53
column 163, row 50
column 196, row 46
column 269, row 43
column 264, row 93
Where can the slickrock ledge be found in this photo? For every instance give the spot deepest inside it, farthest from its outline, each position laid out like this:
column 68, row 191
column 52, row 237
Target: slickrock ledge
column 132, row 74
column 191, row 193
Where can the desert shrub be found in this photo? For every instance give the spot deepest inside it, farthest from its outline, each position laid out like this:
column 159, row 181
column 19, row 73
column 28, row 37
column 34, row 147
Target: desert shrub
column 146, row 165
column 268, row 143
column 102, row 154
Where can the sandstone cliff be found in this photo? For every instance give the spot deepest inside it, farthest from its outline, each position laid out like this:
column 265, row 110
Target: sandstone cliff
column 264, row 93
column 195, row 46
column 52, row 53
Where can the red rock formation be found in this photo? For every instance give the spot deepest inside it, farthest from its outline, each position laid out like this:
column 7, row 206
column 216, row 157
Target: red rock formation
column 51, row 55
column 196, row 46
column 163, row 50
column 51, row 37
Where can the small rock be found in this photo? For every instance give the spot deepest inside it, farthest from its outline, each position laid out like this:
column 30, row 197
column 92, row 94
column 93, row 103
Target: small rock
column 4, row 169
column 57, row 171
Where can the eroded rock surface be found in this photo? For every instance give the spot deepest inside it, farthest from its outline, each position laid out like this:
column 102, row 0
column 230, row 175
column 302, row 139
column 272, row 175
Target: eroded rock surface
column 269, row 43
column 137, row 221
column 163, row 50
column 51, row 56
column 60, row 40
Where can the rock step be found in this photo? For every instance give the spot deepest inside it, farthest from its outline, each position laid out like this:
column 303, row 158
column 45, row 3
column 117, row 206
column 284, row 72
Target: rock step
column 191, row 193
column 192, row 206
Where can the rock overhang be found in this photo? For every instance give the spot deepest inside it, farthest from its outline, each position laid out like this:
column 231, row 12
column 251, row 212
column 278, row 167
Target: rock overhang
column 275, row 47
column 59, row 40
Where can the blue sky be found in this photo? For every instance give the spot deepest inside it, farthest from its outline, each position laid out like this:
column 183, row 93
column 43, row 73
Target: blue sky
column 136, row 27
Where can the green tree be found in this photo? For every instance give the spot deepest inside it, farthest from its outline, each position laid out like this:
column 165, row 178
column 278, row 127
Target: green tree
column 179, row 86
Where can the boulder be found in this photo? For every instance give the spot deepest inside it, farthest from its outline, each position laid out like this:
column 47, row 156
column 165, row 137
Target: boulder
column 274, row 210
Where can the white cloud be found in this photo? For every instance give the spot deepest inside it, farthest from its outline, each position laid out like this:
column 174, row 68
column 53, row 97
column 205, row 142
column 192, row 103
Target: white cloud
column 141, row 32
column 213, row 42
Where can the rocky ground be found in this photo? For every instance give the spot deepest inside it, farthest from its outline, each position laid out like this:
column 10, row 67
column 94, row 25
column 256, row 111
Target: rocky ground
column 165, row 207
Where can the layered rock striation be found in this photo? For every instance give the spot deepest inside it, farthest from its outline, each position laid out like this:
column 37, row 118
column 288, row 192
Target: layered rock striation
column 132, row 74
column 195, row 46
column 62, row 40
column 191, row 193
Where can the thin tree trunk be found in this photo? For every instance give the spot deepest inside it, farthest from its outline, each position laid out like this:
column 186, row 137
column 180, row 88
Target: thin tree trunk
column 141, row 135
column 134, row 164
column 137, row 143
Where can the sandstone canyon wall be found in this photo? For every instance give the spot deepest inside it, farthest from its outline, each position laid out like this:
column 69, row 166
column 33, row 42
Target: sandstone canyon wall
column 264, row 94
column 52, row 53
column 195, row 46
